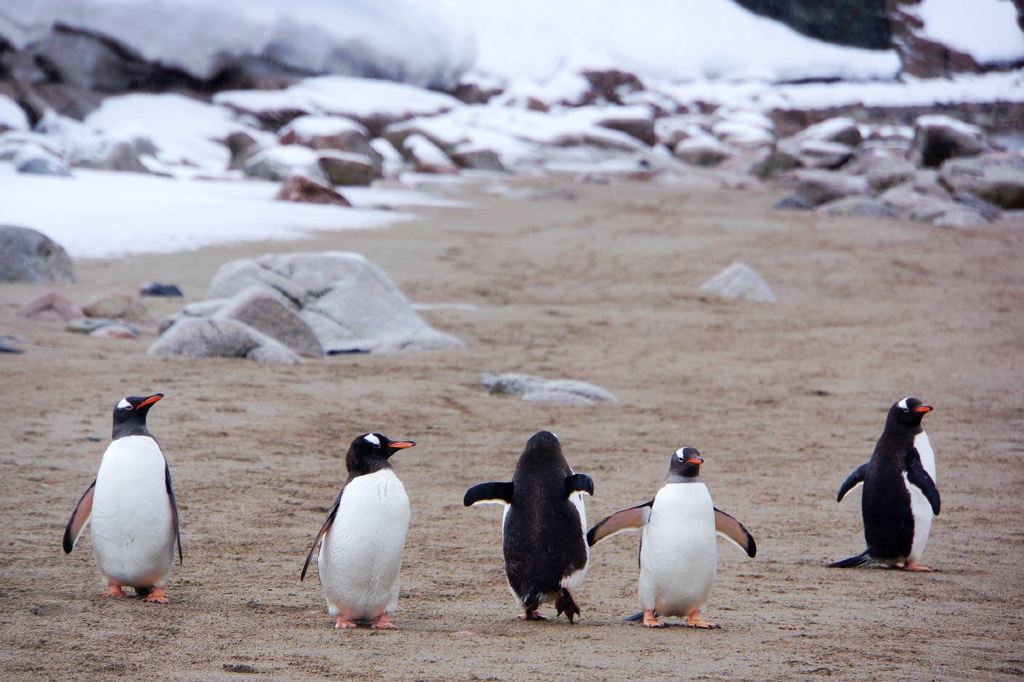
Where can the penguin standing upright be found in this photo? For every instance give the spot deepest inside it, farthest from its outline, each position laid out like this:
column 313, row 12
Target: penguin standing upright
column 543, row 527
column 899, row 498
column 361, row 541
column 678, row 554
column 132, row 508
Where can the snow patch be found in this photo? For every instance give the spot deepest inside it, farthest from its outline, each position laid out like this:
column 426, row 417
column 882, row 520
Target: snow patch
column 985, row 29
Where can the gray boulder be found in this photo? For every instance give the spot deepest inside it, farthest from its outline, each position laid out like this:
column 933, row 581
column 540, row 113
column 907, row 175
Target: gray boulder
column 223, row 338
column 922, row 199
column 237, row 275
column 739, row 281
column 939, row 137
column 818, row 187
column 536, row 389
column 27, row 255
column 996, row 178
column 268, row 312
column 858, row 207
column 886, row 173
column 346, row 168
column 35, row 160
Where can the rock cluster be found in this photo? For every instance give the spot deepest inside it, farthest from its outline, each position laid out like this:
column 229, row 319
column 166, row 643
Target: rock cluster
column 282, row 306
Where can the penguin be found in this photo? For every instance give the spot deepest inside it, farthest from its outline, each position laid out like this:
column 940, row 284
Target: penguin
column 900, row 498
column 543, row 527
column 361, row 541
column 678, row 554
column 132, row 508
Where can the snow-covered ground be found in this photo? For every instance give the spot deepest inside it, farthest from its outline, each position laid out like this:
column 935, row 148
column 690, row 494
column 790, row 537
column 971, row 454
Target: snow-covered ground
column 985, row 29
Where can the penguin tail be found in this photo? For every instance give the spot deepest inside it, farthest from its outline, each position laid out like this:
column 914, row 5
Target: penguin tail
column 635, row 618
column 531, row 601
column 862, row 559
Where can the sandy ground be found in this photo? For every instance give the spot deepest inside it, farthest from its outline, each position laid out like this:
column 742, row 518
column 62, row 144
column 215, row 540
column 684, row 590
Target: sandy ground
column 784, row 400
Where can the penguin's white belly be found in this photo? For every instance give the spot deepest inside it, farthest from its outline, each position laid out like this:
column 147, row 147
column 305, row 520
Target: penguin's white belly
column 678, row 557
column 131, row 525
column 575, row 579
column 361, row 553
column 920, row 508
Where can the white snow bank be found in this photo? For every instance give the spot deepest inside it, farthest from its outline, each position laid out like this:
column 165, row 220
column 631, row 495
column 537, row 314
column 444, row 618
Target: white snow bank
column 358, row 98
column 322, row 126
column 985, row 29
column 664, row 39
column 100, row 215
column 407, row 40
column 11, row 115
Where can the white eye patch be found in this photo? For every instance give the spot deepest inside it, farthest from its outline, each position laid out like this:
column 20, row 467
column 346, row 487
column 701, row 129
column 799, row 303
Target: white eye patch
column 903, row 403
column 680, row 455
column 124, row 404
column 370, row 438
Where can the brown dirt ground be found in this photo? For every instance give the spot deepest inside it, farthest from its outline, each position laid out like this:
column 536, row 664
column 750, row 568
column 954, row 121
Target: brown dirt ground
column 784, row 400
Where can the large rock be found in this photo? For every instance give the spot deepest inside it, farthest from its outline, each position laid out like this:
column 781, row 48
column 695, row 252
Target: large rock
column 938, row 137
column 27, row 255
column 637, row 126
column 739, row 281
column 238, row 275
column 818, row 186
column 346, row 168
column 886, row 172
column 301, row 189
column 330, row 132
column 536, row 389
column 842, row 130
column 220, row 338
column 996, row 178
column 269, row 313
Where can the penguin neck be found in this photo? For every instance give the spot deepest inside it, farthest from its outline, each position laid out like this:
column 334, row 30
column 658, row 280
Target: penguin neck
column 679, row 478
column 900, row 434
column 130, row 428
column 362, row 467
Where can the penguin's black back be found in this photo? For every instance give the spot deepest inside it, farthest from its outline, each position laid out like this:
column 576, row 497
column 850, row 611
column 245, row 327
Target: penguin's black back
column 885, row 502
column 543, row 536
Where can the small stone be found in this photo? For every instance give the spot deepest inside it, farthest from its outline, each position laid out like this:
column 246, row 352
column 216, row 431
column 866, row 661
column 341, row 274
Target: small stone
column 739, row 281
column 115, row 331
column 161, row 290
column 535, row 389
column 301, row 189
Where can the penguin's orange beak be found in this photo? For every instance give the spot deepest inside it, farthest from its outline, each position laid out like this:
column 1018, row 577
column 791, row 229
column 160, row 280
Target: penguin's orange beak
column 694, row 460
column 401, row 444
column 150, row 400
column 923, row 409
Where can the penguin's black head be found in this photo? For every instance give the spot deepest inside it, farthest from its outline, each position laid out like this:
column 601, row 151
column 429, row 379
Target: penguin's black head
column 370, row 452
column 685, row 463
column 544, row 441
column 130, row 415
column 908, row 412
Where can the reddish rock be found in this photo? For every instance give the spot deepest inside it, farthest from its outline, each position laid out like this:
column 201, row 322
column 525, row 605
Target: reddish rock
column 303, row 190
column 51, row 306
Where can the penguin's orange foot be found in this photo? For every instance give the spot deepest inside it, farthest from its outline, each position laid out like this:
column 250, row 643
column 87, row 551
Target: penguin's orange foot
column 343, row 623
column 383, row 623
column 157, row 596
column 114, row 591
column 651, row 619
column 531, row 615
column 695, row 621
column 917, row 568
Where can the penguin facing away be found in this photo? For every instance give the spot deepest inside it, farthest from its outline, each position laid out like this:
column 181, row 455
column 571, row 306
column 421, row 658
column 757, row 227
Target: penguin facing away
column 678, row 553
column 132, row 508
column 900, row 498
column 361, row 541
column 543, row 527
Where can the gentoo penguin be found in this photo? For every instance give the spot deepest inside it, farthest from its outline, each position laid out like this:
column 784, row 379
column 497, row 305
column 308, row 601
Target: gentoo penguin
column 132, row 507
column 900, row 497
column 361, row 541
column 543, row 527
column 678, row 554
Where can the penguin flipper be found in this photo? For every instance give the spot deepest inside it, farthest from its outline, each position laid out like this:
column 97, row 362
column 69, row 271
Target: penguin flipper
column 495, row 492
column 174, row 509
column 79, row 517
column 579, row 483
column 320, row 533
column 627, row 519
column 917, row 475
column 734, row 531
column 852, row 481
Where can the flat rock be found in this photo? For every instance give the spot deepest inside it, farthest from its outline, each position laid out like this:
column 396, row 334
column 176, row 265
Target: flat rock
column 793, row 202
column 346, row 168
column 115, row 331
column 702, row 150
column 996, row 178
column 739, row 281
column 301, row 189
column 88, row 325
column 536, row 389
column 267, row 312
column 225, row 338
column 938, row 137
column 29, row 256
column 117, row 306
column 859, row 207
column 818, row 186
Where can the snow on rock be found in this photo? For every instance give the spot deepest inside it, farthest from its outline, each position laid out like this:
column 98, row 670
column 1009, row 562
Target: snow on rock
column 986, row 30
column 938, row 137
column 426, row 156
column 37, row 160
column 819, row 186
column 535, row 389
column 373, row 103
column 301, row 189
column 279, row 162
column 701, row 150
column 404, row 40
column 11, row 115
column 330, row 132
column 739, row 281
column 345, row 168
